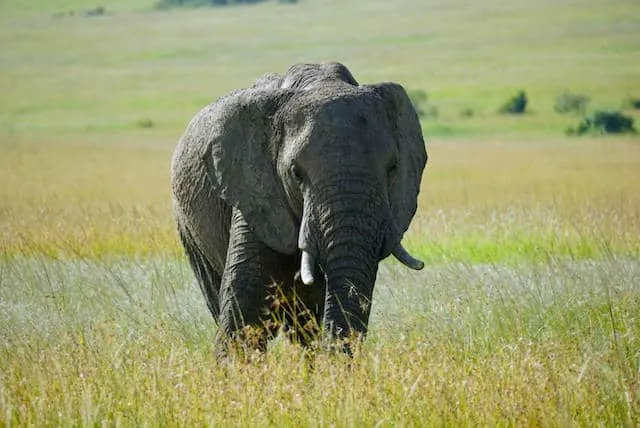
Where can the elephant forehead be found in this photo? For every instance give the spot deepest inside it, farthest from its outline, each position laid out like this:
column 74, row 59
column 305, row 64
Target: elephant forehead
column 331, row 99
column 345, row 116
column 350, row 121
column 343, row 145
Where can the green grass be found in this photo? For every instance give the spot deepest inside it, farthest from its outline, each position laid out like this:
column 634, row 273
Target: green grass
column 129, row 343
column 102, row 75
column 527, row 311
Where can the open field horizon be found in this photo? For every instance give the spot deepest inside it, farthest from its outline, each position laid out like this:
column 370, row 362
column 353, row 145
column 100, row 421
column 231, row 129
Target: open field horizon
column 480, row 201
column 528, row 309
column 111, row 74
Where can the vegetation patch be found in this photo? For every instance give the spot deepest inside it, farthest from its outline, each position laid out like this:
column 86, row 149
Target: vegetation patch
column 603, row 122
column 167, row 4
column 569, row 102
column 516, row 104
column 420, row 101
column 467, row 113
column 145, row 123
column 633, row 102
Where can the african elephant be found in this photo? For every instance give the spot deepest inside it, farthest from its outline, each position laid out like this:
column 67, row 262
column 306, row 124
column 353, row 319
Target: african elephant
column 288, row 194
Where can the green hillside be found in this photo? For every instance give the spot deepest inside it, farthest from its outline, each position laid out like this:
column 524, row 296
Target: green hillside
column 136, row 67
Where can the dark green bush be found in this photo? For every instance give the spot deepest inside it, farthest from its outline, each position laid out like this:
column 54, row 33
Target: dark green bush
column 633, row 103
column 96, row 11
column 145, row 123
column 568, row 102
column 165, row 4
column 604, row 122
column 467, row 113
column 516, row 105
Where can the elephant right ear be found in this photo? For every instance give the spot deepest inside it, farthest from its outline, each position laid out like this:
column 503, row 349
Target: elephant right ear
column 407, row 132
column 239, row 160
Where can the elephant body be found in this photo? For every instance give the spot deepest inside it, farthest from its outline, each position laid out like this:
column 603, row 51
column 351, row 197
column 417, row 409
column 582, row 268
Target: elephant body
column 289, row 193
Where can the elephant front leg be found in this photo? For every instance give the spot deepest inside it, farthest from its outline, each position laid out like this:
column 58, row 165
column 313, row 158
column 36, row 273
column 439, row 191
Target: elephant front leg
column 243, row 290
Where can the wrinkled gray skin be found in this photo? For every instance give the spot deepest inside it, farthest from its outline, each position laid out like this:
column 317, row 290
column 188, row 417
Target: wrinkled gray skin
column 306, row 181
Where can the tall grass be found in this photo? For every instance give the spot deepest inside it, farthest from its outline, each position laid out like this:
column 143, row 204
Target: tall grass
column 129, row 342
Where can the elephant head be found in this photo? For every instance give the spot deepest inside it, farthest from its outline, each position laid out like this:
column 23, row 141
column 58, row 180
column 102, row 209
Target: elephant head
column 323, row 169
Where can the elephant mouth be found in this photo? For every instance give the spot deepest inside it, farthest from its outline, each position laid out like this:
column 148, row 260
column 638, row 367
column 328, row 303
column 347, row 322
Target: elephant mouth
column 372, row 234
column 309, row 267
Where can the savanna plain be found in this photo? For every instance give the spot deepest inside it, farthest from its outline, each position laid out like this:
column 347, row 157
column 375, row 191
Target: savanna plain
column 526, row 314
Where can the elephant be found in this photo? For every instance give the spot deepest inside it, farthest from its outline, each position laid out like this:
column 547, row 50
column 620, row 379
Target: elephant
column 288, row 194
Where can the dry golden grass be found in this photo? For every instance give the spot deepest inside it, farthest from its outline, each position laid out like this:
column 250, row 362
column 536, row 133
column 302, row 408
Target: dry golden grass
column 95, row 198
column 86, row 198
column 577, row 198
column 130, row 343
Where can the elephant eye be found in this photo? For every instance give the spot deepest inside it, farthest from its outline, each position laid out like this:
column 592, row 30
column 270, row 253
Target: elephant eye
column 392, row 168
column 296, row 172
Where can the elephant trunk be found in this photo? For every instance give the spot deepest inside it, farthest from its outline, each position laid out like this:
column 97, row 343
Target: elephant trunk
column 345, row 231
column 351, row 237
column 350, row 283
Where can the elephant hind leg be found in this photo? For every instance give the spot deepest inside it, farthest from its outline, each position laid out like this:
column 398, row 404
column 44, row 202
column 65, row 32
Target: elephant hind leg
column 208, row 279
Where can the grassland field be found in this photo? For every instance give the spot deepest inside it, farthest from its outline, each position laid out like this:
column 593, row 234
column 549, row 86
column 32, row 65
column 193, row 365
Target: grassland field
column 527, row 313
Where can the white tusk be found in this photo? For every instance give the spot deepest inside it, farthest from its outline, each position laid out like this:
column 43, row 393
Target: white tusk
column 307, row 266
column 407, row 259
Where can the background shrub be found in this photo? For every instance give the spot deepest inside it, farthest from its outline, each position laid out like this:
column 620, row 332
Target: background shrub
column 516, row 105
column 420, row 101
column 633, row 103
column 145, row 123
column 467, row 113
column 418, row 98
column 96, row 11
column 604, row 122
column 568, row 102
column 165, row 4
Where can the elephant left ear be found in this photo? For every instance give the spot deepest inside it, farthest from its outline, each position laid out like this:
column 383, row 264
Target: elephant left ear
column 239, row 163
column 406, row 130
